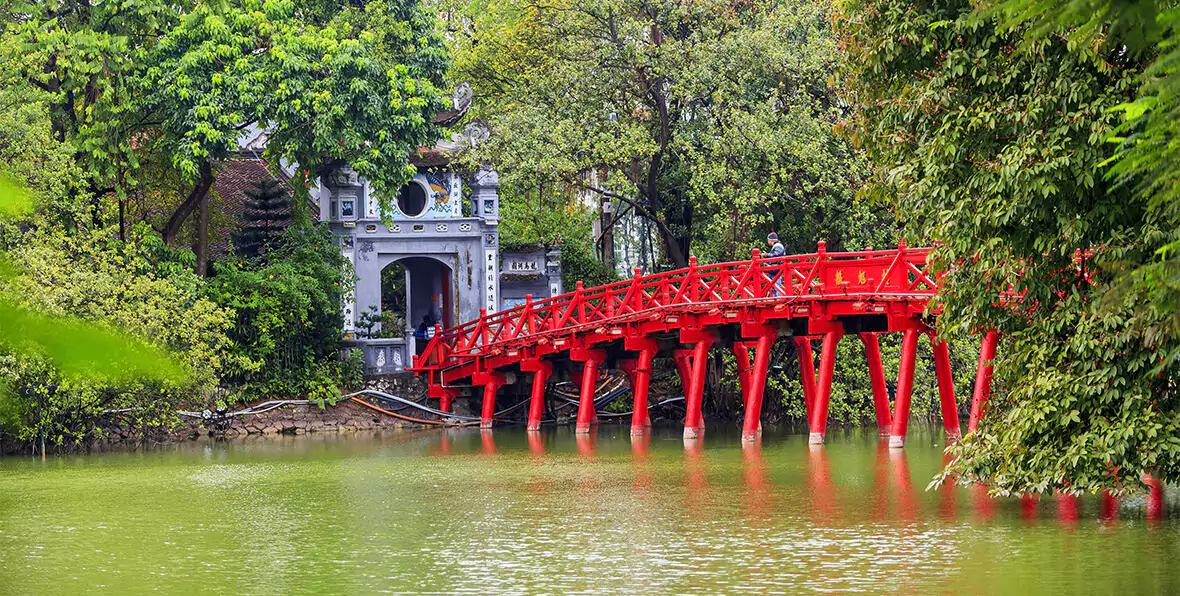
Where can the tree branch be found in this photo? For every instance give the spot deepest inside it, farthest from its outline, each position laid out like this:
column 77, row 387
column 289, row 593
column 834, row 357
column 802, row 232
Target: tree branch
column 186, row 208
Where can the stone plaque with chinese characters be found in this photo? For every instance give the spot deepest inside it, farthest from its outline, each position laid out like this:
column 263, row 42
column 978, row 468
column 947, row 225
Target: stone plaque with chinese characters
column 523, row 264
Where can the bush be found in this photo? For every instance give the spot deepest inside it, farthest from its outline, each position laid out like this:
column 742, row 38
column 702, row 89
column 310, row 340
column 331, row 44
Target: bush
column 288, row 329
column 136, row 287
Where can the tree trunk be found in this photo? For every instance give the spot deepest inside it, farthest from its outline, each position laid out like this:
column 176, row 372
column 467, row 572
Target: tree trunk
column 607, row 239
column 186, row 208
column 202, row 248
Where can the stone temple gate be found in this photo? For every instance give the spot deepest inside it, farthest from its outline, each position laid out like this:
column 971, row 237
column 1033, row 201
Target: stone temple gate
column 439, row 256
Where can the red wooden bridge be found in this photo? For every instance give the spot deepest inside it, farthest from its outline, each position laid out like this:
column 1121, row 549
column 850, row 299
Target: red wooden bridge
column 682, row 314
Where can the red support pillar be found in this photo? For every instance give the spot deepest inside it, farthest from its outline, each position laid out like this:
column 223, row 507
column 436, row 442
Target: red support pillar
column 541, row 372
column 627, row 365
column 491, row 381
column 983, row 378
column 694, row 421
column 877, row 379
column 946, row 390
column 640, row 418
column 752, row 425
column 827, row 365
column 587, row 413
column 446, row 396
column 905, row 387
column 684, row 368
column 807, row 372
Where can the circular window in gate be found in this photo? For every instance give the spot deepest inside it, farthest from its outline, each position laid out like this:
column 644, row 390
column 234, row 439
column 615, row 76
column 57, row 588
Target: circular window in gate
column 412, row 199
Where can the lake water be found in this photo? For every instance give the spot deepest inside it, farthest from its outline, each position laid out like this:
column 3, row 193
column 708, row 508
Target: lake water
column 462, row 511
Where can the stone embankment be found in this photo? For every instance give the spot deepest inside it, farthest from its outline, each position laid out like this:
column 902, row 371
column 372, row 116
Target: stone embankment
column 345, row 416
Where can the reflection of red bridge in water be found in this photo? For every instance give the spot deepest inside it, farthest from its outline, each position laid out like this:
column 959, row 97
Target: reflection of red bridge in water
column 829, row 500
column 681, row 314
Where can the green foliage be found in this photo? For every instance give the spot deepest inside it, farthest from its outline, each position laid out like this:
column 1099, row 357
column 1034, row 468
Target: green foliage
column 711, row 120
column 106, row 104
column 29, row 153
column 158, row 90
column 552, row 216
column 286, row 337
column 83, row 59
column 14, row 199
column 95, row 319
column 333, row 82
column 993, row 149
column 1147, row 158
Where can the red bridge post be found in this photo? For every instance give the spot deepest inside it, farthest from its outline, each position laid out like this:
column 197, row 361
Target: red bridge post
column 877, row 379
column 752, row 425
column 946, row 389
column 640, row 380
column 694, row 421
column 905, row 387
column 683, row 360
column 827, row 365
column 541, row 371
column 587, row 413
column 983, row 378
column 491, row 381
column 807, row 371
column 446, row 395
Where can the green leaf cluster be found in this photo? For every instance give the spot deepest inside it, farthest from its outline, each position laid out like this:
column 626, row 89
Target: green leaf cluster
column 285, row 337
column 97, row 321
column 712, row 121
column 144, row 92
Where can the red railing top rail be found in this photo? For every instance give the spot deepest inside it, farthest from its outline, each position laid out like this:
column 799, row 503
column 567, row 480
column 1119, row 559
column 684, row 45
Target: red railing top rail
column 882, row 274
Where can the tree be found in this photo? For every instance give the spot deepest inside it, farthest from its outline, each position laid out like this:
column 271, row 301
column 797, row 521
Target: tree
column 334, row 82
column 267, row 213
column 1147, row 157
column 82, row 58
column 713, row 120
column 993, row 150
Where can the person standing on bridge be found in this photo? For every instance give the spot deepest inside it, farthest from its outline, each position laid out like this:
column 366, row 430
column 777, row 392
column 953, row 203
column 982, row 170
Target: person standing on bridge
column 776, row 250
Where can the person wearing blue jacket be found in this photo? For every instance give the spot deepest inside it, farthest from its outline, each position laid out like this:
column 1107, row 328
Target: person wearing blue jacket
column 776, row 250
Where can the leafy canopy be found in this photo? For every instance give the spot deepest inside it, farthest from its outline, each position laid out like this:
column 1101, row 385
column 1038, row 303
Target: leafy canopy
column 712, row 120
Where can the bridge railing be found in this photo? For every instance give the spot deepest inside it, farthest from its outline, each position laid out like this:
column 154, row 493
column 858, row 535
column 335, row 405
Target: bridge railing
column 899, row 272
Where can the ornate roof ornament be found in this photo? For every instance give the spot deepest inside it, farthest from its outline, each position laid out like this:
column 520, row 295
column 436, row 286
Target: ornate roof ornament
column 460, row 102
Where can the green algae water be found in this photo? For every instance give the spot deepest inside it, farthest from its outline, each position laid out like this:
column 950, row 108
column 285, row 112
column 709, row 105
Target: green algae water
column 460, row 511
